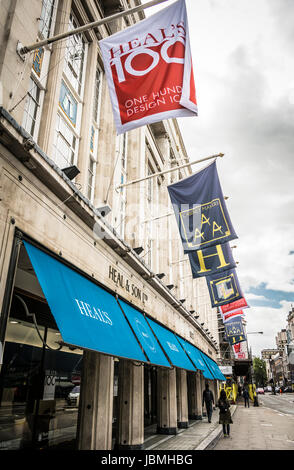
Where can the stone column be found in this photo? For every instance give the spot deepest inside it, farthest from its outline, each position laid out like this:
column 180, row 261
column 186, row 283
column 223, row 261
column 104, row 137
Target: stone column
column 202, row 388
column 199, row 392
column 167, row 401
column 87, row 117
column 96, row 403
column 131, row 405
column 195, row 395
column 182, row 398
column 192, row 396
column 215, row 391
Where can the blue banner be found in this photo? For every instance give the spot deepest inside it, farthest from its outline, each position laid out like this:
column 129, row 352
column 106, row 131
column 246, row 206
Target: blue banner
column 223, row 287
column 200, row 210
column 214, row 259
column 234, row 331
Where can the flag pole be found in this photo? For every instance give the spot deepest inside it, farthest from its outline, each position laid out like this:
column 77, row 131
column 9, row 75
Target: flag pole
column 154, row 175
column 36, row 45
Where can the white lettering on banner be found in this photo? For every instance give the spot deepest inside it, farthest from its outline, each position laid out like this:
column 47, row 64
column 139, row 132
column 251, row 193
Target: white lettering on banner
column 139, row 104
column 157, row 38
column 93, row 312
column 141, row 49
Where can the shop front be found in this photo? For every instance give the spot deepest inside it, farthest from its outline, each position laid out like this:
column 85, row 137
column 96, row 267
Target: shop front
column 57, row 320
column 94, row 348
column 44, row 338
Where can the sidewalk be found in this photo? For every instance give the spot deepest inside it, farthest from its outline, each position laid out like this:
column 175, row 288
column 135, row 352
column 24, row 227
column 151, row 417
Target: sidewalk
column 259, row 428
column 200, row 435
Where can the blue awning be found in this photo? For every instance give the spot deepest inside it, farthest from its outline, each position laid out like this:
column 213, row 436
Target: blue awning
column 207, row 372
column 170, row 344
column 193, row 353
column 86, row 315
column 214, row 368
column 145, row 335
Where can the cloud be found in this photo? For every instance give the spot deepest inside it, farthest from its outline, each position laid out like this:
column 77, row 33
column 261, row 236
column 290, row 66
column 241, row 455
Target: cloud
column 244, row 74
column 251, row 296
column 245, row 112
column 266, row 319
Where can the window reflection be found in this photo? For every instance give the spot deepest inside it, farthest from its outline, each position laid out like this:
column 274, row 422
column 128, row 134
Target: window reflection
column 39, row 382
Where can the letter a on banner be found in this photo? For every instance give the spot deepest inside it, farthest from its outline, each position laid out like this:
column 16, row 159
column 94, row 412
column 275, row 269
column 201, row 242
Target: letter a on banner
column 200, row 210
column 149, row 70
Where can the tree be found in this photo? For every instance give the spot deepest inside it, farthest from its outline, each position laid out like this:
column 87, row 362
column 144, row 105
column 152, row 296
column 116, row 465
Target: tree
column 259, row 372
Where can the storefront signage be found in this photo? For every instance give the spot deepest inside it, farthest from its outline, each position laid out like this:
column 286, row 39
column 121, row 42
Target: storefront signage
column 226, row 370
column 49, row 385
column 120, row 280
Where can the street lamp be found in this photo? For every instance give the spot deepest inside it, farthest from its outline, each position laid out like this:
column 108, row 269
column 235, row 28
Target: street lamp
column 250, row 376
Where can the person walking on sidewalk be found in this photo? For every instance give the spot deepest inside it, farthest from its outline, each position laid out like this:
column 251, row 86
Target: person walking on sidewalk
column 209, row 400
column 225, row 417
column 246, row 397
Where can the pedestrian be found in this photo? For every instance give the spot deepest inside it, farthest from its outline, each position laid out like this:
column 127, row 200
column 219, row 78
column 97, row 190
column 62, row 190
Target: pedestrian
column 246, row 397
column 225, row 417
column 209, row 400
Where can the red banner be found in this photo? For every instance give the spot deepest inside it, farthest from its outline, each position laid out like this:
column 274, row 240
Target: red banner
column 240, row 350
column 230, row 315
column 149, row 70
column 234, row 306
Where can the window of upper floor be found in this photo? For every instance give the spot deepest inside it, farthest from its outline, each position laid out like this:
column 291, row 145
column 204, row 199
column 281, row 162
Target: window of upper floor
column 47, row 18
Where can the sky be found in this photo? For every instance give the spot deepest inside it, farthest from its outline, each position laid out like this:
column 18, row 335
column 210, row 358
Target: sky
column 243, row 60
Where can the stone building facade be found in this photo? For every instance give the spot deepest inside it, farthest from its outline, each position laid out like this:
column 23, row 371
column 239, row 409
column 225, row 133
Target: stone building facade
column 55, row 115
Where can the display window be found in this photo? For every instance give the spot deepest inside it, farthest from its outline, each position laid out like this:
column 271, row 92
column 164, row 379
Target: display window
column 40, row 378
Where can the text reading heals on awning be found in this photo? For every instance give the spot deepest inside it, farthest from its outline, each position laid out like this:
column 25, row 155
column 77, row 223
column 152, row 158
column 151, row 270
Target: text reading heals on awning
column 149, row 70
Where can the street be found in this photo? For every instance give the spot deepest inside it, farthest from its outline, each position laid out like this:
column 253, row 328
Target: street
column 269, row 426
column 282, row 403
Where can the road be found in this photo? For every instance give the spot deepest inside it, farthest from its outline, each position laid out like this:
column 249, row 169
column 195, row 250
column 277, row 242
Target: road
column 281, row 403
column 269, row 426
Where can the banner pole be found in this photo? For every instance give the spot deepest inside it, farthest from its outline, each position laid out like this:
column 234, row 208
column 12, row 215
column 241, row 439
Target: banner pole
column 25, row 49
column 169, row 170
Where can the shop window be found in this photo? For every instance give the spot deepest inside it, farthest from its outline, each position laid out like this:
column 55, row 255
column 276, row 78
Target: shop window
column 39, row 381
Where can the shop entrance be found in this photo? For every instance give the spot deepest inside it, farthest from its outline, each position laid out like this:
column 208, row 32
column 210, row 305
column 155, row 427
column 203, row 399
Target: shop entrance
column 40, row 379
column 150, row 395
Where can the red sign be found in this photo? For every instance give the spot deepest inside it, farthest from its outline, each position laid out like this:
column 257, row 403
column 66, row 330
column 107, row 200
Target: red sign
column 149, row 70
column 233, row 306
column 230, row 315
